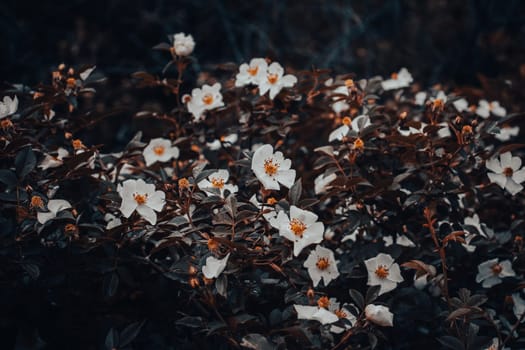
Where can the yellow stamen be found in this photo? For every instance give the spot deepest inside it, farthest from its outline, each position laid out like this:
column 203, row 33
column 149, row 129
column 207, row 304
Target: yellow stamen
column 140, row 198
column 271, row 167
column 297, row 227
column 340, row 313
column 322, row 263
column 508, row 172
column 381, row 271
column 253, row 70
column 158, row 150
column 217, row 182
column 496, row 269
column 207, row 99
column 347, row 121
column 272, row 78
column 323, row 302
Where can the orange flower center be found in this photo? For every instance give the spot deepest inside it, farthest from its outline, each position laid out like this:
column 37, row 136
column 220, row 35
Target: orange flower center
column 508, row 172
column 381, row 271
column 496, row 269
column 393, row 76
column 322, row 263
column 349, row 83
column 270, row 167
column 272, row 78
column 140, row 198
column 359, row 144
column 438, row 104
column 77, row 144
column 271, row 201
column 323, row 302
column 37, row 202
column 340, row 313
column 6, row 124
column 253, row 70
column 184, row 183
column 158, row 150
column 217, row 182
column 297, row 227
column 207, row 99
column 347, row 121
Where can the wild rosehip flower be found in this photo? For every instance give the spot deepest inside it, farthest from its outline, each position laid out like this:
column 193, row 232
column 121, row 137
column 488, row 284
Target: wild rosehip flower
column 8, row 106
column 275, row 81
column 272, row 168
column 54, row 206
column 506, row 133
column 316, row 313
column 322, row 183
column 218, row 181
column 141, row 196
column 214, row 267
column 461, row 105
column 401, row 240
column 205, row 99
column 357, row 124
column 321, row 264
column 491, row 272
column 159, row 150
column 485, row 108
column 340, row 104
column 383, row 272
column 183, row 44
column 252, row 73
column 379, row 315
column 398, row 80
column 302, row 228
column 506, row 172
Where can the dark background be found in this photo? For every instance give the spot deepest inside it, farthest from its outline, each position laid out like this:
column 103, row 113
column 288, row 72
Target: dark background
column 439, row 41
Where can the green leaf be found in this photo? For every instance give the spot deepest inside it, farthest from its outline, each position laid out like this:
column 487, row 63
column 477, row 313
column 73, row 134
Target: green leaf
column 25, row 162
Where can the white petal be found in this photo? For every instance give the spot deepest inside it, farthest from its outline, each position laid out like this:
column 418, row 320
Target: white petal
column 499, row 179
column 513, row 187
column 147, row 213
column 214, row 267
column 156, row 201
column 494, row 165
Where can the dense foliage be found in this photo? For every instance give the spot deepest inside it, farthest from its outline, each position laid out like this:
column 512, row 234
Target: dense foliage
column 266, row 209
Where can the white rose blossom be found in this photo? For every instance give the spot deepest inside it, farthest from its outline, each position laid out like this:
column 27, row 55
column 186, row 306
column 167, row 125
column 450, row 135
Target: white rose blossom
column 322, row 183
column 54, row 206
column 272, row 169
column 275, row 81
column 183, row 44
column 379, row 315
column 214, row 267
column 8, row 106
column 205, row 99
column 302, row 228
column 506, row 172
column 252, row 73
column 357, row 124
column 51, row 161
column 159, row 150
column 461, row 105
column 491, row 272
column 219, row 181
column 506, row 133
column 383, row 272
column 321, row 264
column 142, row 197
column 398, row 80
column 485, row 108
column 316, row 313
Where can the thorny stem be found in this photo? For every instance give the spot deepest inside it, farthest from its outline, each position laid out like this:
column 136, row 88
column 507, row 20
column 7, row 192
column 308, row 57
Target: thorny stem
column 430, row 225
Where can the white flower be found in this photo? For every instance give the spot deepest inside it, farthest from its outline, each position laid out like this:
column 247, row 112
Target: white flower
column 401, row 240
column 398, row 80
column 252, row 73
column 491, row 272
column 301, row 227
column 207, row 98
column 214, row 267
column 321, row 264
column 379, row 315
column 506, row 172
column 340, row 103
column 357, row 124
column 461, row 105
column 54, row 206
column 316, row 313
column 485, row 108
column 183, row 44
column 420, row 98
column 422, row 277
column 8, row 107
column 383, row 272
column 495, row 345
column 506, row 133
column 341, row 313
column 322, row 182
column 50, row 161
column 519, row 306
column 269, row 213
column 217, row 180
column 112, row 221
column 272, row 168
column 275, row 81
column 141, row 196
column 159, row 150
column 217, row 143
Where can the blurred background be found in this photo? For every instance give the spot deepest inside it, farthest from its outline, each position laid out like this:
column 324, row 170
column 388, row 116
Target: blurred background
column 438, row 41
